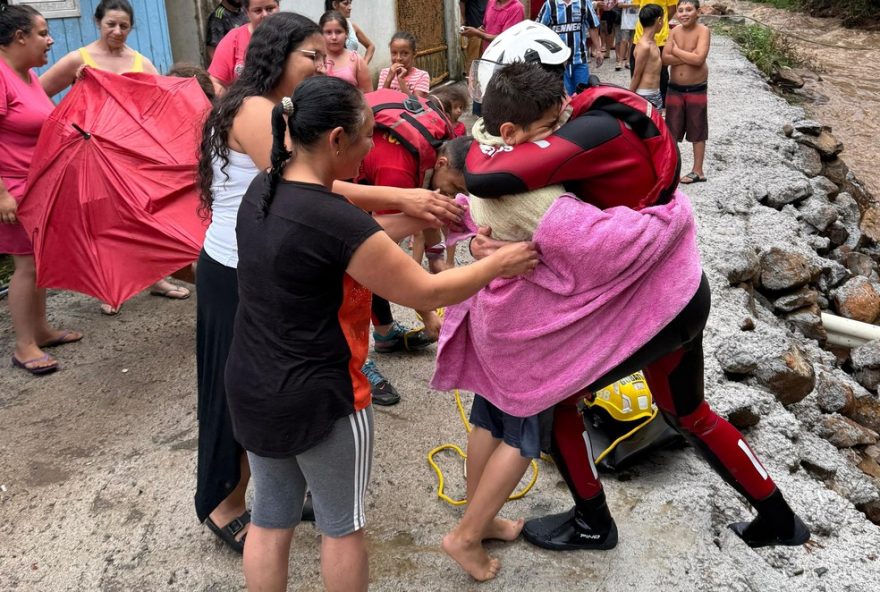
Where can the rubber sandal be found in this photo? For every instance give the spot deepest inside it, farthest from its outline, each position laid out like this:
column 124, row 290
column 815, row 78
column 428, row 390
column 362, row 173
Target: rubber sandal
column 167, row 293
column 63, row 339
column 36, row 370
column 228, row 532
column 694, row 178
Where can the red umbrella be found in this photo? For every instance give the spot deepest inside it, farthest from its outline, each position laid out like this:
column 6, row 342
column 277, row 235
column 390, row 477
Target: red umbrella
column 112, row 203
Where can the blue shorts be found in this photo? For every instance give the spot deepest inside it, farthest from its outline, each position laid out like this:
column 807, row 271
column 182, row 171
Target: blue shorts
column 530, row 435
column 575, row 74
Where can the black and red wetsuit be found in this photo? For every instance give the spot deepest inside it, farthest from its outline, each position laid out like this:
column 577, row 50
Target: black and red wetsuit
column 616, row 151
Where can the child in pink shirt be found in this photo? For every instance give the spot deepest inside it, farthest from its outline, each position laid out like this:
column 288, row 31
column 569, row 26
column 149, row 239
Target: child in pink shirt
column 500, row 16
column 402, row 75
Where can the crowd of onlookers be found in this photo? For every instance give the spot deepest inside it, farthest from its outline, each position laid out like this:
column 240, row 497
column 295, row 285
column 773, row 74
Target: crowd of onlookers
column 289, row 165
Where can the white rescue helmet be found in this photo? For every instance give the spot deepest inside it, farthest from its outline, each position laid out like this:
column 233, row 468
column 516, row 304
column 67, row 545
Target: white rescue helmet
column 526, row 41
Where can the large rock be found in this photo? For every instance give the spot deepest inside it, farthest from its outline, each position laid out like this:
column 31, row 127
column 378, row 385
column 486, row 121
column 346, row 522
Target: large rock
column 857, row 299
column 742, row 265
column 824, row 186
column 808, row 321
column 783, row 269
column 844, row 432
column 818, row 213
column 795, row 300
column 738, row 356
column 786, row 190
column 826, row 144
column 787, row 373
column 865, row 411
column 833, row 394
column 808, row 126
column 786, row 77
column 870, row 223
column 860, row 264
column 810, row 161
column 849, row 214
column 836, row 170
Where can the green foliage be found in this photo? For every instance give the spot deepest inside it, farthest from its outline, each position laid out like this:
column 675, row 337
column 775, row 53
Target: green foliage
column 784, row 4
column 763, row 47
column 855, row 13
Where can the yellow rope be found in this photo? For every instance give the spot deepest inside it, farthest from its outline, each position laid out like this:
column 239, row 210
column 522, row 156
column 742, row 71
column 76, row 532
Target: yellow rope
column 608, row 450
column 441, row 493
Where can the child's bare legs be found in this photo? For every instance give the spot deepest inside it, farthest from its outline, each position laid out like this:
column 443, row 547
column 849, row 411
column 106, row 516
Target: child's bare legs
column 344, row 565
column 266, row 554
column 488, row 489
column 421, row 241
column 699, row 156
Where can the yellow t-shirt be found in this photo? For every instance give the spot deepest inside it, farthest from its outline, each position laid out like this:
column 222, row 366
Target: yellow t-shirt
column 663, row 33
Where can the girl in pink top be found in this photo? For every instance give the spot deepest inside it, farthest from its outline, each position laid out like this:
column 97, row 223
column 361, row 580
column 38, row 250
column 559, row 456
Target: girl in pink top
column 500, row 15
column 228, row 60
column 343, row 63
column 24, row 107
column 402, row 75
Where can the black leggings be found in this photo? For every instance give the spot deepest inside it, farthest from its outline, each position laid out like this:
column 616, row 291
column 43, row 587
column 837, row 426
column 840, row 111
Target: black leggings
column 381, row 312
column 673, row 365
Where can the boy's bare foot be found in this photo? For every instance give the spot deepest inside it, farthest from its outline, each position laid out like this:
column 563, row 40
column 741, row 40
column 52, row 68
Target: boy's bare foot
column 501, row 529
column 472, row 557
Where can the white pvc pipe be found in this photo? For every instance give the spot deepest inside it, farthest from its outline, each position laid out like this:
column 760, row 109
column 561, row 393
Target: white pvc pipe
column 850, row 328
column 841, row 340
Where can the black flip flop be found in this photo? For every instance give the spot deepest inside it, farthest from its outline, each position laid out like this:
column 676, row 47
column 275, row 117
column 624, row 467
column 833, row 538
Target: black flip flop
column 694, row 178
column 228, row 532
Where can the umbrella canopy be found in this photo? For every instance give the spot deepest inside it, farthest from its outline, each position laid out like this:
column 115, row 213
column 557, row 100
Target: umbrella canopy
column 112, row 203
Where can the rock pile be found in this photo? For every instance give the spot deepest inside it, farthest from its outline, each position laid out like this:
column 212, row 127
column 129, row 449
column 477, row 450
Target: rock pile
column 824, row 260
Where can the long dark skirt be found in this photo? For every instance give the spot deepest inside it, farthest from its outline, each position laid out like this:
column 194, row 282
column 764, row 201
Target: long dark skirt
column 219, row 468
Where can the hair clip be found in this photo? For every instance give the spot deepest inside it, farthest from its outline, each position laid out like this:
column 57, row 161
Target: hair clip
column 287, row 105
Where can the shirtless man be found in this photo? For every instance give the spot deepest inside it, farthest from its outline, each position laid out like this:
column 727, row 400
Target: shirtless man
column 648, row 60
column 686, row 109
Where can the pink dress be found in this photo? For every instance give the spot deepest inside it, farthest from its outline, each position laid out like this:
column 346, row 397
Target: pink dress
column 417, row 80
column 24, row 107
column 346, row 68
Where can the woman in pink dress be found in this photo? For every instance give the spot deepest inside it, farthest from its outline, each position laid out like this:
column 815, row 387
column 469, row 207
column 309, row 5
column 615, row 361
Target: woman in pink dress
column 341, row 62
column 24, row 106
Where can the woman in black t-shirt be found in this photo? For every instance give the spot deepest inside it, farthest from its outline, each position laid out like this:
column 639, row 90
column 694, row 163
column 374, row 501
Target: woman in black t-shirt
column 308, row 259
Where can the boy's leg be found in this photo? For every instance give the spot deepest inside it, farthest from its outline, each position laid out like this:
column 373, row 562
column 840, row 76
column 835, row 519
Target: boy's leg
column 502, row 473
column 481, row 444
column 568, row 79
column 699, row 156
column 279, row 492
column 344, row 564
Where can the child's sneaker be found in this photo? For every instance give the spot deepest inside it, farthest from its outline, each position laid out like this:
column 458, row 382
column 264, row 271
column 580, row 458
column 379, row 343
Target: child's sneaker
column 383, row 391
column 401, row 338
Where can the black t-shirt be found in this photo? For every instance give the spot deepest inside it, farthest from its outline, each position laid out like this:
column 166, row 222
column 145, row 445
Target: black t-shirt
column 220, row 22
column 474, row 10
column 302, row 327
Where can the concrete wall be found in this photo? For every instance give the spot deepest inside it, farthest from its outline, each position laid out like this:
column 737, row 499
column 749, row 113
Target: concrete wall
column 186, row 27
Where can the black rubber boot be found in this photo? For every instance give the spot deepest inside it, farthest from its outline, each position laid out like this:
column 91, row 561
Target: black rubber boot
column 587, row 526
column 776, row 524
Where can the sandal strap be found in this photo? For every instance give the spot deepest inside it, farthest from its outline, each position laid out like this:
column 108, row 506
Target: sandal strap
column 238, row 524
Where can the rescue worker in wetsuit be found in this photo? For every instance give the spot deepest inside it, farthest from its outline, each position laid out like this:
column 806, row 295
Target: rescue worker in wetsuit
column 610, row 154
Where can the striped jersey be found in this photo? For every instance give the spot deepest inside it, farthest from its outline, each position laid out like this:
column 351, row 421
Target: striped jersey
column 572, row 22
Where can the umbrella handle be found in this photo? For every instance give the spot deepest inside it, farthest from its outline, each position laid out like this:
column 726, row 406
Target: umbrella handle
column 86, row 135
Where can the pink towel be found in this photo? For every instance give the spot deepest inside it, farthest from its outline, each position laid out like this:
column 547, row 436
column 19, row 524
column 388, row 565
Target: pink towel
column 608, row 281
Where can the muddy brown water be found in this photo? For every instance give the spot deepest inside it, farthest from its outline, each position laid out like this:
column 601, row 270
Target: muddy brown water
column 846, row 94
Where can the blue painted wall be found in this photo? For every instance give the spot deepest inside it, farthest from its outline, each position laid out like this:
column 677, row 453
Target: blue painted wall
column 149, row 35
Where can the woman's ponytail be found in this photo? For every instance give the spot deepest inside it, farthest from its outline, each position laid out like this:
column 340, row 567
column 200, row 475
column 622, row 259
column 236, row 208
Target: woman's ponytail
column 280, row 154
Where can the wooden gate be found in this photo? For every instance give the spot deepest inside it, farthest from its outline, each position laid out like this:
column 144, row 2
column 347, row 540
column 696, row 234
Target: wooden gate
column 427, row 21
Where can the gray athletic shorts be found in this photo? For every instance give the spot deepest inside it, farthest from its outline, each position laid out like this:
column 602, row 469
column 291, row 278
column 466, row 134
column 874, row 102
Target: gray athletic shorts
column 336, row 471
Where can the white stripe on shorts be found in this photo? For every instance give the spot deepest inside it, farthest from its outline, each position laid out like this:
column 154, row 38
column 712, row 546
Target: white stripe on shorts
column 361, row 433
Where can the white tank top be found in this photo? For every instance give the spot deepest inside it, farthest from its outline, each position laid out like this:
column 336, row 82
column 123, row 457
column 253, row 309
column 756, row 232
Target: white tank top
column 351, row 42
column 220, row 242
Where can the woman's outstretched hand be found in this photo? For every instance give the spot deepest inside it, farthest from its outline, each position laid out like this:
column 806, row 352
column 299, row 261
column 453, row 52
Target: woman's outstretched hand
column 516, row 259
column 432, row 206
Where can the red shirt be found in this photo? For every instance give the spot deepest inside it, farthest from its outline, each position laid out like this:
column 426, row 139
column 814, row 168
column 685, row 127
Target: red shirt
column 390, row 165
column 229, row 56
